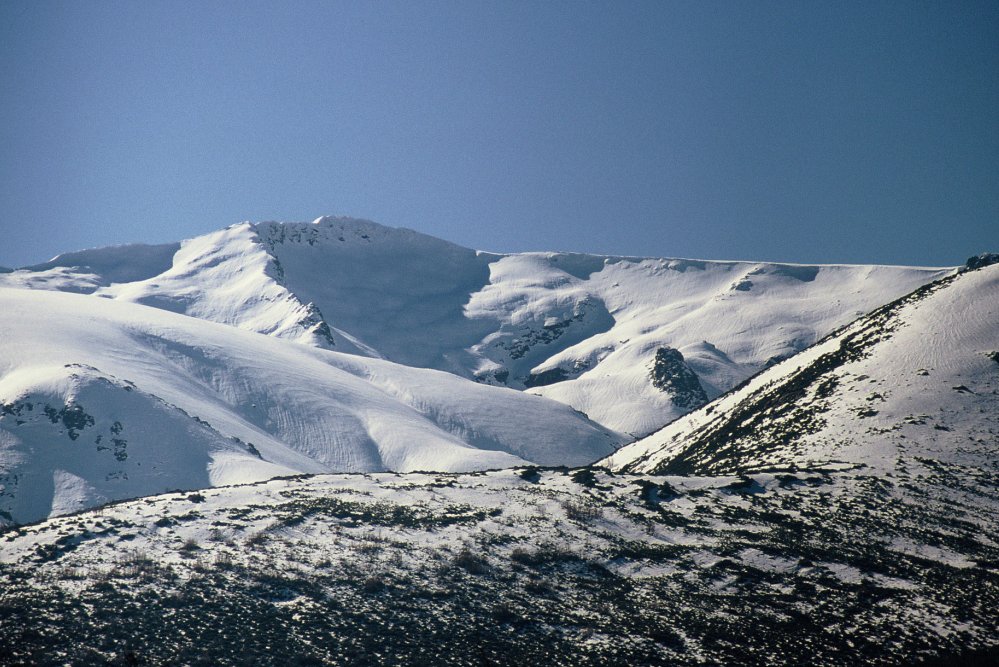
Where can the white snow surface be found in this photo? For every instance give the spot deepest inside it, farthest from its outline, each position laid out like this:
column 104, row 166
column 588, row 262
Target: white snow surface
column 926, row 387
column 105, row 399
column 595, row 321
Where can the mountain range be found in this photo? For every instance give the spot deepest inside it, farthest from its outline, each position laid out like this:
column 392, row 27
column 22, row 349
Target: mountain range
column 425, row 454
column 346, row 346
column 581, row 329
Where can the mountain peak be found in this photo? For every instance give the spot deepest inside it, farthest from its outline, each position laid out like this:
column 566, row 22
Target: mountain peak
column 332, row 233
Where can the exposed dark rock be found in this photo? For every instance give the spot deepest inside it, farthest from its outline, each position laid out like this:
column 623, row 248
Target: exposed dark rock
column 981, row 261
column 547, row 334
column 317, row 325
column 120, row 448
column 499, row 376
column 671, row 374
column 774, row 360
column 589, row 316
column 73, row 418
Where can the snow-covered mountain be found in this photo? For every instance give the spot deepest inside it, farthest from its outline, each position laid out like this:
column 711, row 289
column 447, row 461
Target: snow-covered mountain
column 837, row 508
column 917, row 380
column 632, row 342
column 102, row 400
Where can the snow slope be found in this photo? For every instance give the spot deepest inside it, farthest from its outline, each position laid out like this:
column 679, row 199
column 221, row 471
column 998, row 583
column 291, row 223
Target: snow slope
column 584, row 330
column 105, row 399
column 916, row 380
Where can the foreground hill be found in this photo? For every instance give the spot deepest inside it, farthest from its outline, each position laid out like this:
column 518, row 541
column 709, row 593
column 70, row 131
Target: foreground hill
column 632, row 342
column 529, row 566
column 103, row 400
column 916, row 380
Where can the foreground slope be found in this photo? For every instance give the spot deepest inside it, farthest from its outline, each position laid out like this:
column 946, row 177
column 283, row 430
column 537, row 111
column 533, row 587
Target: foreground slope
column 529, row 566
column 102, row 400
column 918, row 379
column 632, row 342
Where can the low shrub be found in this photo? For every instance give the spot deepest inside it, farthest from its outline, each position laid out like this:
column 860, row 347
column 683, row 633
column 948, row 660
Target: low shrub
column 581, row 510
column 471, row 562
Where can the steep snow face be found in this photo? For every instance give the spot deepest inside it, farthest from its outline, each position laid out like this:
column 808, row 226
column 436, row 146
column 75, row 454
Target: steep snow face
column 583, row 330
column 229, row 277
column 104, row 400
column 391, row 293
column 916, row 379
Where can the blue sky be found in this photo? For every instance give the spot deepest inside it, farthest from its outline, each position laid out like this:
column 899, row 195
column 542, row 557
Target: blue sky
column 798, row 131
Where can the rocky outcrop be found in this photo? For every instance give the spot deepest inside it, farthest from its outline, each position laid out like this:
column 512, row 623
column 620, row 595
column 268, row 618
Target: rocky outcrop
column 981, row 261
column 671, row 374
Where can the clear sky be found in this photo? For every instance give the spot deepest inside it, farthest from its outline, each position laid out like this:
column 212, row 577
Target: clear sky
column 789, row 131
